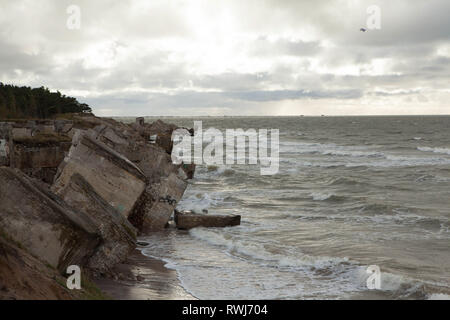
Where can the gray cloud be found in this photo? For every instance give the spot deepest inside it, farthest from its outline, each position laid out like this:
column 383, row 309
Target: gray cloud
column 278, row 95
column 233, row 57
column 264, row 47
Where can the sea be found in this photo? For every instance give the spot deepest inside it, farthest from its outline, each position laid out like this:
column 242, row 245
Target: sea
column 351, row 192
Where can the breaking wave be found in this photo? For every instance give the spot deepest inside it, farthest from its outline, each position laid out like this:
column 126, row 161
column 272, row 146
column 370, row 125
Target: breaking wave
column 319, row 196
column 258, row 251
column 199, row 202
column 220, row 170
column 351, row 275
column 328, row 149
column 435, row 150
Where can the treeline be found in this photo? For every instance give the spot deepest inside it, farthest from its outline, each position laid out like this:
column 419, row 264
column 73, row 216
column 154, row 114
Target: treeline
column 38, row 103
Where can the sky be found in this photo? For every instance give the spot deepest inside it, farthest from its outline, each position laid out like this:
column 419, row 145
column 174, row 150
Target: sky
column 233, row 57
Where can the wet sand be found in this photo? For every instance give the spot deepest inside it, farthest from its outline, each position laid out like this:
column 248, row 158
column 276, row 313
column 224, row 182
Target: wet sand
column 143, row 278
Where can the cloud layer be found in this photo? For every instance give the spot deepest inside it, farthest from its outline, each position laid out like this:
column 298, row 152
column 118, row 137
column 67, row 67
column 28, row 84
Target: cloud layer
column 211, row 57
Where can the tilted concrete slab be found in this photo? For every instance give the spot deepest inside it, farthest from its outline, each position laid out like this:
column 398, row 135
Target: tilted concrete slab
column 111, row 175
column 43, row 224
column 119, row 236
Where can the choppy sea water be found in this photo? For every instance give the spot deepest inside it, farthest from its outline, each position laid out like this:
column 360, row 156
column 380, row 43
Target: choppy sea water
column 350, row 192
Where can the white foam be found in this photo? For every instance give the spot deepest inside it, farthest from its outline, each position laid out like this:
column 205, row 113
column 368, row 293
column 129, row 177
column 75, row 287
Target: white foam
column 359, row 154
column 403, row 286
column 220, row 170
column 435, row 150
column 352, row 153
column 317, row 196
column 259, row 252
column 401, row 161
column 328, row 149
column 233, row 268
column 393, row 282
column 439, row 296
column 200, row 201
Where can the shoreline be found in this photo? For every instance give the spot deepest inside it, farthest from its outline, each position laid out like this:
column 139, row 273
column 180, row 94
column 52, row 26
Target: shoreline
column 143, row 278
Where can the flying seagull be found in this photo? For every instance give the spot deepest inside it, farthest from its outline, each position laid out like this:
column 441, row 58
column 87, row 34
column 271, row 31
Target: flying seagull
column 363, row 30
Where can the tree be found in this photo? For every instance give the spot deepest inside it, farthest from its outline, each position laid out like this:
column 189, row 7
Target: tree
column 36, row 103
column 11, row 102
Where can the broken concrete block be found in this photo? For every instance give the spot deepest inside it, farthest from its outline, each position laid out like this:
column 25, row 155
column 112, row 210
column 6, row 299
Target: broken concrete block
column 119, row 236
column 44, row 128
column 63, row 126
column 24, row 277
column 140, row 121
column 5, row 142
column 40, row 156
column 164, row 198
column 5, row 130
column 4, row 152
column 48, row 156
column 19, row 133
column 155, row 163
column 121, row 138
column 163, row 132
column 186, row 221
column 111, row 175
column 165, row 178
column 43, row 224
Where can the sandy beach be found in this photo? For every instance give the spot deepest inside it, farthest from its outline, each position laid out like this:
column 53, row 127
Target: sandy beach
column 143, row 278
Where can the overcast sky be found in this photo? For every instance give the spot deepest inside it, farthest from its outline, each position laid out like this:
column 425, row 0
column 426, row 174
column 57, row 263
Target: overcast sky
column 226, row 57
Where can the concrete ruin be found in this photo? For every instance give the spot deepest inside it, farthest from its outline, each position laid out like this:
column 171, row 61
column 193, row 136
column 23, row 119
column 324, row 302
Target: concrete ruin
column 5, row 140
column 23, row 276
column 42, row 223
column 118, row 235
column 186, row 221
column 35, row 147
column 4, row 152
column 79, row 191
column 111, row 175
column 166, row 182
column 160, row 201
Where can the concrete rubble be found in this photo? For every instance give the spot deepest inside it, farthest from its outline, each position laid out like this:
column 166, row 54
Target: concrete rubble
column 118, row 235
column 43, row 224
column 111, row 175
column 79, row 191
column 188, row 220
